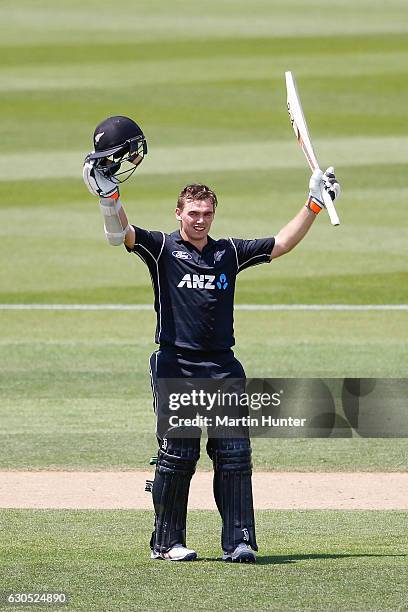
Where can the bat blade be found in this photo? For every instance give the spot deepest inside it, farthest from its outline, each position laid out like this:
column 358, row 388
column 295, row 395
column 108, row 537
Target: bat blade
column 298, row 121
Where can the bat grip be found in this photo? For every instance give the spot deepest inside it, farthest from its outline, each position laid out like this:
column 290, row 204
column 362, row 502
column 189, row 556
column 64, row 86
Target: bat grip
column 328, row 202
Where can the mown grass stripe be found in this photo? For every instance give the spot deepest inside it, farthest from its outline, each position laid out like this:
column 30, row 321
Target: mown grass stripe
column 39, row 22
column 337, row 46
column 173, row 160
column 223, row 70
column 246, row 307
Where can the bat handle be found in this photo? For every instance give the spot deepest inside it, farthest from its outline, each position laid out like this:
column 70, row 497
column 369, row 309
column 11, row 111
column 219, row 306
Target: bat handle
column 328, row 202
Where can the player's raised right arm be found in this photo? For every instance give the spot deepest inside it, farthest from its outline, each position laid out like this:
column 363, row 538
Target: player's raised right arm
column 116, row 224
column 294, row 231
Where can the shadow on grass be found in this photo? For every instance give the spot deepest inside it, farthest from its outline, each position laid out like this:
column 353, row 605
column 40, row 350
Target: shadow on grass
column 281, row 559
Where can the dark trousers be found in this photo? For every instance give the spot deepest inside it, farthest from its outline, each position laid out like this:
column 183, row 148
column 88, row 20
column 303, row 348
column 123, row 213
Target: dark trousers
column 178, row 456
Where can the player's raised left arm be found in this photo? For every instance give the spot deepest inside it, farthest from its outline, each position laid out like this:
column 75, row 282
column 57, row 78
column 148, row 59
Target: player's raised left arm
column 294, row 231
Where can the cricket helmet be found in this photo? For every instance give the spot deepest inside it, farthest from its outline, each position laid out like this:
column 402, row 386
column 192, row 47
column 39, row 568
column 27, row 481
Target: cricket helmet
column 119, row 148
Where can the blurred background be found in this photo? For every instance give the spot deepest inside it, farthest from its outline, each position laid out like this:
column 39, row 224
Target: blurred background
column 206, row 83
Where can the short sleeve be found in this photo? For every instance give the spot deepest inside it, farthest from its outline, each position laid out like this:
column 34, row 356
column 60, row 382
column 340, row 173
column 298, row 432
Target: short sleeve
column 252, row 252
column 147, row 243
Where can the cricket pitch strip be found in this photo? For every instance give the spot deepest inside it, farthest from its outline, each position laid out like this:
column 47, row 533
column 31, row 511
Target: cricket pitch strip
column 272, row 490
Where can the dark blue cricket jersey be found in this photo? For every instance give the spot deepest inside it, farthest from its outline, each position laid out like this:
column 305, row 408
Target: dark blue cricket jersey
column 193, row 290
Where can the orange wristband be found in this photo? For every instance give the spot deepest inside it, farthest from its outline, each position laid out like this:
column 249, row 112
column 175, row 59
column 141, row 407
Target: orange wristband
column 315, row 208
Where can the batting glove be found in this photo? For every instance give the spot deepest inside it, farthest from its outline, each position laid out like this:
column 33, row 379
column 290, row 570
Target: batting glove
column 331, row 185
column 97, row 184
column 318, row 182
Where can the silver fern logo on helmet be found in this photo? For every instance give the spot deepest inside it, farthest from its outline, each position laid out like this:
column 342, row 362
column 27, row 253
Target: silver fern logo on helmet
column 120, row 151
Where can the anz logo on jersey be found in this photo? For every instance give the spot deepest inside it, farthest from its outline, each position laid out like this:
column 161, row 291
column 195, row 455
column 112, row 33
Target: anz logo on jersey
column 203, row 281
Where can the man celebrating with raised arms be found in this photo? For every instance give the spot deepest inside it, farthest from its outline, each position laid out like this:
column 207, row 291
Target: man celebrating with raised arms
column 193, row 279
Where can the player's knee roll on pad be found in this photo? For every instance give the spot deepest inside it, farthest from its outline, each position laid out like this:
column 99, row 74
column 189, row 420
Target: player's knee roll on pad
column 233, row 490
column 176, row 463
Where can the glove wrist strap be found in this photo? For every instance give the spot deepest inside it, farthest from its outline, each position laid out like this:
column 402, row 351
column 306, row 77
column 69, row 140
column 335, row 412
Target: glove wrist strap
column 313, row 206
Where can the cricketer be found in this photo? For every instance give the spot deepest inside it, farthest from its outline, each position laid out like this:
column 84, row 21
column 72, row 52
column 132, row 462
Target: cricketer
column 193, row 278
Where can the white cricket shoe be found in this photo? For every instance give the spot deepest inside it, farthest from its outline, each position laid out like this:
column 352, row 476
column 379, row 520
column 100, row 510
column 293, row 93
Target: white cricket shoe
column 177, row 553
column 242, row 554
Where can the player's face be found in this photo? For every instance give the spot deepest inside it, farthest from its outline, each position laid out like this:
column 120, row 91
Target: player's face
column 196, row 218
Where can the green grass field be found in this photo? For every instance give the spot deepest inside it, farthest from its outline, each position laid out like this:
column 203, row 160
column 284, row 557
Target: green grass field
column 307, row 561
column 206, row 82
column 59, row 387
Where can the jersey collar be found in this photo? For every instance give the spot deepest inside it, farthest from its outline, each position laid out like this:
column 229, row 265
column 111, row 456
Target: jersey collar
column 177, row 237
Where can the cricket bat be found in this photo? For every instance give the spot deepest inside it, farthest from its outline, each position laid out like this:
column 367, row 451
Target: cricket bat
column 299, row 125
